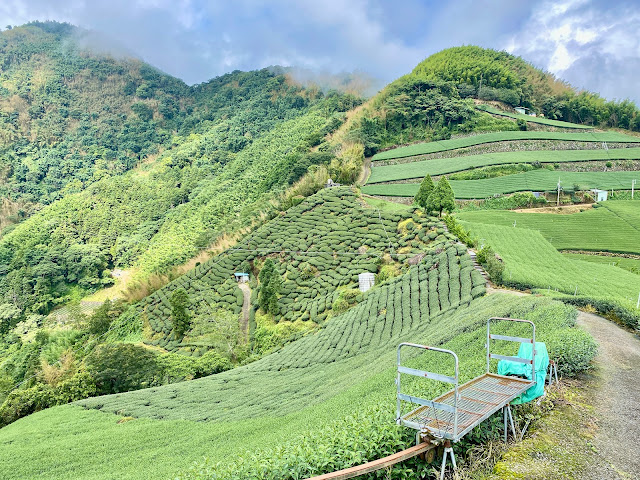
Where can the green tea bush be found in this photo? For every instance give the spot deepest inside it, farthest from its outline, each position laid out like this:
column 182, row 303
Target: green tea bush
column 573, row 351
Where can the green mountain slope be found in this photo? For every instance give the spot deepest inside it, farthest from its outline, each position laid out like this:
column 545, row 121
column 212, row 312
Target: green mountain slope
column 438, row 98
column 69, row 117
column 319, row 248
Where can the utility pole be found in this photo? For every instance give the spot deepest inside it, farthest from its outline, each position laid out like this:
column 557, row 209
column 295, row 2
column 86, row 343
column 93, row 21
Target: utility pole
column 558, row 201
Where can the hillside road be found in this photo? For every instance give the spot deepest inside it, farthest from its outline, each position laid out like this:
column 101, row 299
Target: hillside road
column 616, row 398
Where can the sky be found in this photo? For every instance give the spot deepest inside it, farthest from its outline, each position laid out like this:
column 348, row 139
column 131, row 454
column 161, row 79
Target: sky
column 593, row 44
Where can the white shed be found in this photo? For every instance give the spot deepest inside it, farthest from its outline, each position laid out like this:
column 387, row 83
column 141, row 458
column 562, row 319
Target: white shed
column 366, row 281
column 599, row 195
column 525, row 111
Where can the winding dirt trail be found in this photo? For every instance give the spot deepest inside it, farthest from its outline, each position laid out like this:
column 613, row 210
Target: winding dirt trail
column 246, row 304
column 616, row 398
column 613, row 392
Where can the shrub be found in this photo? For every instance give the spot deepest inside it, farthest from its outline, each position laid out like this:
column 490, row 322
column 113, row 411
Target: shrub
column 121, row 367
column 573, row 351
column 458, row 230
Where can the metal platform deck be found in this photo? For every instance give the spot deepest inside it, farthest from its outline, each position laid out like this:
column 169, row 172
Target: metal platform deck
column 478, row 399
column 452, row 415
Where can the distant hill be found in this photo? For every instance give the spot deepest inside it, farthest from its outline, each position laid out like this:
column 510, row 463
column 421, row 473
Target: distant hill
column 69, row 116
column 437, row 99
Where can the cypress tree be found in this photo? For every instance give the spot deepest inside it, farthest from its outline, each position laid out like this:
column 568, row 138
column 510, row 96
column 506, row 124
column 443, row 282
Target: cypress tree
column 426, row 187
column 442, row 198
column 179, row 315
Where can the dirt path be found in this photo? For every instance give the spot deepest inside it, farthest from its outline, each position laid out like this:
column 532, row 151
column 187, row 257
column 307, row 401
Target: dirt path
column 616, row 398
column 613, row 395
column 246, row 304
column 365, row 172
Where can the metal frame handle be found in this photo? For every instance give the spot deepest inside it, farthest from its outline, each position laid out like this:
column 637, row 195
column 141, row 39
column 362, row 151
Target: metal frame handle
column 531, row 340
column 431, row 376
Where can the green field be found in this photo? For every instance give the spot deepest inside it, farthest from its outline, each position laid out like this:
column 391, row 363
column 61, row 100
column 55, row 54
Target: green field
column 598, row 229
column 629, row 264
column 441, row 166
column 541, row 180
column 273, row 404
column 528, row 118
column 444, row 145
column 532, row 262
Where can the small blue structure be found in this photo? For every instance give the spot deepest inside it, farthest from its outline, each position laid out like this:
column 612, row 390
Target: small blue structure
column 241, row 277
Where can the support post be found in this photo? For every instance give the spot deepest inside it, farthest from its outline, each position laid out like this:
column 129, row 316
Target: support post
column 448, row 450
column 504, row 413
column 513, row 426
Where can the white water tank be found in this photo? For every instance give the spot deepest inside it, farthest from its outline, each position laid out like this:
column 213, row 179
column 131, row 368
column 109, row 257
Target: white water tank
column 366, row 281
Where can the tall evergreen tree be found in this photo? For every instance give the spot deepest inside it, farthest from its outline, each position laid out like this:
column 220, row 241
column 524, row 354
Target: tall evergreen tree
column 179, row 314
column 270, row 284
column 442, row 198
column 426, row 187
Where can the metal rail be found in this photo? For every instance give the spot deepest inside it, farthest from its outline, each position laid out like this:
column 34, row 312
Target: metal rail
column 452, row 409
column 507, row 338
column 377, row 464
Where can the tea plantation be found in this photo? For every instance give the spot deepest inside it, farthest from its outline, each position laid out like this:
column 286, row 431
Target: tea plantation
column 528, row 118
column 470, row 141
column 440, row 166
column 612, row 227
column 537, row 180
column 320, row 246
column 298, row 411
column 532, row 262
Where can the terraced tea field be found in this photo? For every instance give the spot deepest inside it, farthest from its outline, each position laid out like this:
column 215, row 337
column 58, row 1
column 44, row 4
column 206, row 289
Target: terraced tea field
column 540, row 180
column 305, row 393
column 319, row 247
column 532, row 262
column 528, row 118
column 470, row 141
column 629, row 264
column 441, row 166
column 601, row 229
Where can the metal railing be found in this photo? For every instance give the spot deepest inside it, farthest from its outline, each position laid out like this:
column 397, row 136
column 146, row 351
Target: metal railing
column 453, row 409
column 531, row 340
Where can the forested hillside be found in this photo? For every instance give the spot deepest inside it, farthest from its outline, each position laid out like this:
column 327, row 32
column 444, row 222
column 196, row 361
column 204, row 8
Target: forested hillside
column 69, row 117
column 227, row 144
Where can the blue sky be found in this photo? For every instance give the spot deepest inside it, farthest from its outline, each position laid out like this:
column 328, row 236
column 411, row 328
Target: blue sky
column 592, row 44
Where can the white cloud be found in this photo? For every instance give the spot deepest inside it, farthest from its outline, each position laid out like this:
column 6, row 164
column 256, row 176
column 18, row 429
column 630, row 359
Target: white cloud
column 593, row 45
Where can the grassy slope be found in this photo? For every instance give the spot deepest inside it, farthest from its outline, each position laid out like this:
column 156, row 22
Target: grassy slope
column 528, row 118
column 532, row 262
column 440, row 166
column 444, row 145
column 159, row 448
column 597, row 229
